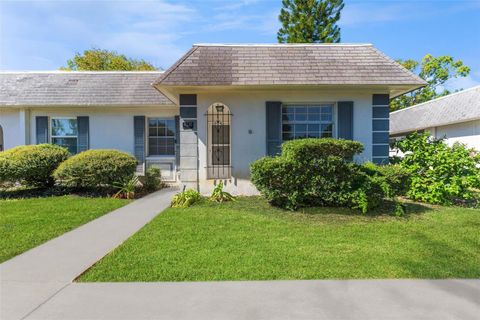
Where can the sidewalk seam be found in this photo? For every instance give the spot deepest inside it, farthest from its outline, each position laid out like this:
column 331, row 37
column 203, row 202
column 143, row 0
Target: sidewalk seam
column 48, row 299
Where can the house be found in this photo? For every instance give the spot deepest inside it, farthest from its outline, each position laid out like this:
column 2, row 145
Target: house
column 455, row 117
column 216, row 110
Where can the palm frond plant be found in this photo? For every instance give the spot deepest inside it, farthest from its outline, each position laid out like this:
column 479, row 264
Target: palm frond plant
column 219, row 195
column 126, row 188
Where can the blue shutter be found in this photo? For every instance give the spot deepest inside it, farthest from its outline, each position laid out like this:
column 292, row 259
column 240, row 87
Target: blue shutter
column 83, row 127
column 177, row 141
column 41, row 129
column 345, row 120
column 274, row 127
column 139, row 141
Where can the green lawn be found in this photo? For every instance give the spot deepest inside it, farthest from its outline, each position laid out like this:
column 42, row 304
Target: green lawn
column 249, row 240
column 26, row 223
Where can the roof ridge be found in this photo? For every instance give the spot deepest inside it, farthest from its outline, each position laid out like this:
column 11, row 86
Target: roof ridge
column 281, row 44
column 438, row 99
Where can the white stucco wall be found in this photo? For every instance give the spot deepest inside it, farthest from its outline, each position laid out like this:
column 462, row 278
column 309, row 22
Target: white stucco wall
column 248, row 108
column 465, row 132
column 110, row 128
column 13, row 131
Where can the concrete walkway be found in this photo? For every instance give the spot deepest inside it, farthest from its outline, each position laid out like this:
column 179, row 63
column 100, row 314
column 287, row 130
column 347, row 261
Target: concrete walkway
column 356, row 299
column 30, row 279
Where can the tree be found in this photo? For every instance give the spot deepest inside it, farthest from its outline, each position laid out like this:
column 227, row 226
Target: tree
column 97, row 59
column 310, row 21
column 435, row 71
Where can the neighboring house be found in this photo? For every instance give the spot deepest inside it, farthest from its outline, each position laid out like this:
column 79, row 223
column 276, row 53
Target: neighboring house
column 455, row 117
column 216, row 110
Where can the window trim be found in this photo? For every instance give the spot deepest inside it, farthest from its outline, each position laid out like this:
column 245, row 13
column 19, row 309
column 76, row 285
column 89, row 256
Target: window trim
column 50, row 128
column 334, row 115
column 147, row 136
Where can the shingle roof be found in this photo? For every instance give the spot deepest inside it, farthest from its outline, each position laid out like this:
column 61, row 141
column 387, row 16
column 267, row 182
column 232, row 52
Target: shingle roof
column 457, row 107
column 80, row 88
column 291, row 64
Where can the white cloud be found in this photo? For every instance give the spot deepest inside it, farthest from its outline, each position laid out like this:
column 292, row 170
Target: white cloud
column 462, row 83
column 141, row 29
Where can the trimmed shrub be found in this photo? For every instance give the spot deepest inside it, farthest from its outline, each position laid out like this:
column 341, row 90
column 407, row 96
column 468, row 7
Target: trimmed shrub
column 440, row 174
column 312, row 148
column 152, row 180
column 96, row 168
column 396, row 178
column 31, row 165
column 323, row 178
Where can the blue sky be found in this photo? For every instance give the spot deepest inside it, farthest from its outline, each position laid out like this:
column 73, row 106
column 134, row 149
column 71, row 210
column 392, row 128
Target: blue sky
column 42, row 35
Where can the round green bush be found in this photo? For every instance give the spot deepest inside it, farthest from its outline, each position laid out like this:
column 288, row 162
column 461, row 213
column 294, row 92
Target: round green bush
column 32, row 165
column 95, row 168
column 316, row 172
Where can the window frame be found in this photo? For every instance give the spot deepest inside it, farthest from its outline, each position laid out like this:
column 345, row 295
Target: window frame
column 147, row 137
column 319, row 122
column 50, row 130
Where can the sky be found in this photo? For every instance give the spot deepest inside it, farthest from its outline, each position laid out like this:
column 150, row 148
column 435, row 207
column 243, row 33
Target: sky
column 43, row 35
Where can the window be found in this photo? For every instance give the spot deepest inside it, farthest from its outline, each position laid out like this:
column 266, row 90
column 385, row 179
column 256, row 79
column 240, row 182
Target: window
column 65, row 133
column 307, row 121
column 161, row 137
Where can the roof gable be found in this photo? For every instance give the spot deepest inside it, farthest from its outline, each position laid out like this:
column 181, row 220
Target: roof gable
column 292, row 64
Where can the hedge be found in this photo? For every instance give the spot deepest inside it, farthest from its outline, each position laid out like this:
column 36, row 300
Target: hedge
column 316, row 172
column 96, row 168
column 31, row 165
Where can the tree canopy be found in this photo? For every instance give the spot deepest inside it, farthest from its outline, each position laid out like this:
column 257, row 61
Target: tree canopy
column 436, row 71
column 98, row 59
column 310, row 21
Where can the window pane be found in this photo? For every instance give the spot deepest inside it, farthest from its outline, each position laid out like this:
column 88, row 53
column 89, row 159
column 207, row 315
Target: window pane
column 313, row 128
column 312, row 110
column 300, row 110
column 64, row 127
column 170, row 128
column 300, row 117
column 287, row 117
column 152, row 146
column 300, row 135
column 288, row 110
column 152, row 132
column 326, row 127
column 326, row 117
column 314, row 134
column 162, row 128
column 287, row 136
column 287, row 127
column 300, row 127
column 326, row 109
column 314, row 117
column 152, row 123
column 69, row 143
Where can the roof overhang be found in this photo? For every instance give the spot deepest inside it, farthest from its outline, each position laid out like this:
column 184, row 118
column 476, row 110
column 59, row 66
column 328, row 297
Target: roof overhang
column 394, row 90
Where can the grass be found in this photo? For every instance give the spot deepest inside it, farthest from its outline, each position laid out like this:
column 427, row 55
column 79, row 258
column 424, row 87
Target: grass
column 249, row 240
column 27, row 223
